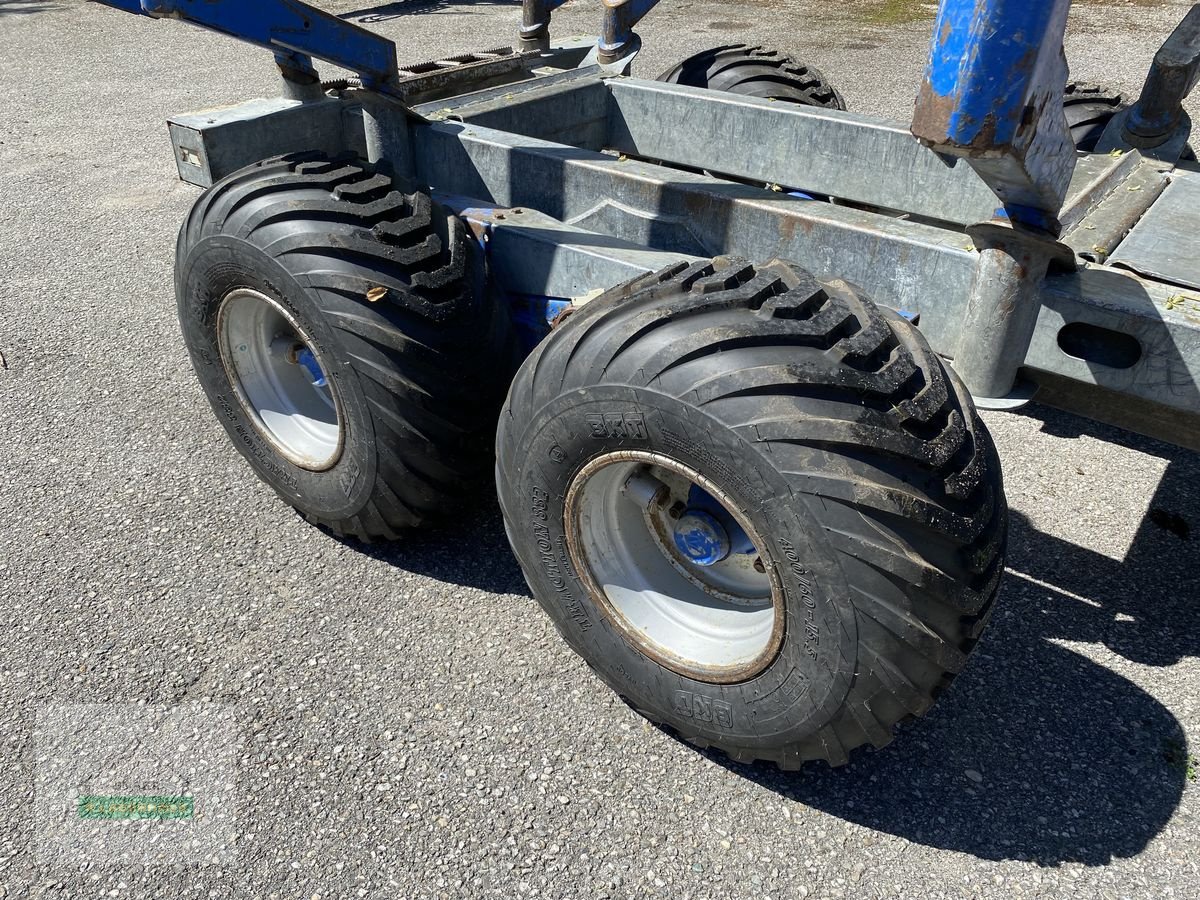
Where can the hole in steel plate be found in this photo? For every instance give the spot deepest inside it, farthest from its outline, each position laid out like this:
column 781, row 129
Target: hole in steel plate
column 1094, row 344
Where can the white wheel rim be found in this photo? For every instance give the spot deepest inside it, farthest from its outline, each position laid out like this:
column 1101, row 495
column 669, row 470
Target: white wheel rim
column 720, row 622
column 280, row 379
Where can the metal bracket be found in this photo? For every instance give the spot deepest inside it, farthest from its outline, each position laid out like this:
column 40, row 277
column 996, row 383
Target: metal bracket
column 1158, row 113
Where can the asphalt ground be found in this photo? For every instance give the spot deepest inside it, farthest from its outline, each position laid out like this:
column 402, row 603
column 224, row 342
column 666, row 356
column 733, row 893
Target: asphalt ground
column 406, row 721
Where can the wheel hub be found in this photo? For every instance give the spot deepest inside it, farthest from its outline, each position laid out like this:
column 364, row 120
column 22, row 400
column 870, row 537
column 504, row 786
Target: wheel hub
column 700, row 538
column 280, row 379
column 675, row 565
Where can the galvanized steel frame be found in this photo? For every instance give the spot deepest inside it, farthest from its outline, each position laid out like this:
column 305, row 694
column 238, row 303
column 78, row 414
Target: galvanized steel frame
column 564, row 217
column 578, row 180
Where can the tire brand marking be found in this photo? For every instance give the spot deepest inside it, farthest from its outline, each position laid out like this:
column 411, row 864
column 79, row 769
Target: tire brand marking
column 617, row 425
column 793, row 687
column 713, row 467
column 251, row 444
column 703, row 709
column 812, row 632
column 550, row 562
column 352, row 473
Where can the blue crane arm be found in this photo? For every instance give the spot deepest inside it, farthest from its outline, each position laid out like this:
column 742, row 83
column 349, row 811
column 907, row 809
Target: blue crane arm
column 993, row 94
column 291, row 29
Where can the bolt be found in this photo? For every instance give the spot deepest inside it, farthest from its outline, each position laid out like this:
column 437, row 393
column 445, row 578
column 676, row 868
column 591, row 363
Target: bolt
column 677, row 509
column 758, row 565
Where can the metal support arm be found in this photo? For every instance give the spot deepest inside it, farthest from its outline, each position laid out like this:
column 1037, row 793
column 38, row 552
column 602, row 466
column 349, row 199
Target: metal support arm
column 1158, row 112
column 294, row 31
column 535, row 24
column 620, row 16
column 992, row 94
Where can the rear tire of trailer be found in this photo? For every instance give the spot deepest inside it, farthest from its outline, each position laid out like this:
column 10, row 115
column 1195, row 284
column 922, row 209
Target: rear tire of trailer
column 1089, row 108
column 756, row 72
column 341, row 331
column 759, row 507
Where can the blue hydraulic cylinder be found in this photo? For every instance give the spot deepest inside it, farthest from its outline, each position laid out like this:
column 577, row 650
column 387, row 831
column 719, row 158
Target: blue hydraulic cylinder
column 992, row 93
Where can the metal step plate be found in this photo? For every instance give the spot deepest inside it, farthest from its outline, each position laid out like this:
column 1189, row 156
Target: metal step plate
column 1165, row 244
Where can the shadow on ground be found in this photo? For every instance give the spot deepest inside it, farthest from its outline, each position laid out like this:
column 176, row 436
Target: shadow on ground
column 469, row 550
column 384, row 12
column 1077, row 763
column 17, row 7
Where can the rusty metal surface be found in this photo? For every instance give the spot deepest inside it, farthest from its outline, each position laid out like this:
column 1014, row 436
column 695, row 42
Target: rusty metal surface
column 992, row 93
column 1001, row 310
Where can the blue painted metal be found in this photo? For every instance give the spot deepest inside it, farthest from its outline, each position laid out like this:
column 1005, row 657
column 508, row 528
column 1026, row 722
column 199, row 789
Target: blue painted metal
column 293, row 29
column 701, row 538
column 308, row 360
column 993, row 94
column 700, row 500
column 533, row 316
column 983, row 57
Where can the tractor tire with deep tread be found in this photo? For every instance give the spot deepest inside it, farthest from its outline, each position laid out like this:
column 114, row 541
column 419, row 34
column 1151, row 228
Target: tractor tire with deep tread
column 390, row 290
column 756, row 72
column 843, row 440
column 1089, row 109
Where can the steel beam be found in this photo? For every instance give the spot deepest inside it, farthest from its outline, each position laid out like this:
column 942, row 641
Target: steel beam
column 895, row 261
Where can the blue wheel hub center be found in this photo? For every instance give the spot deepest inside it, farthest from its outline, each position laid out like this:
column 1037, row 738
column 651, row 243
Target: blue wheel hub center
column 308, row 361
column 700, row 538
column 705, row 533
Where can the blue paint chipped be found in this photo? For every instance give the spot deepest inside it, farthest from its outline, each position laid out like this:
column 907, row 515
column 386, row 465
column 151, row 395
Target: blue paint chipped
column 983, row 62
